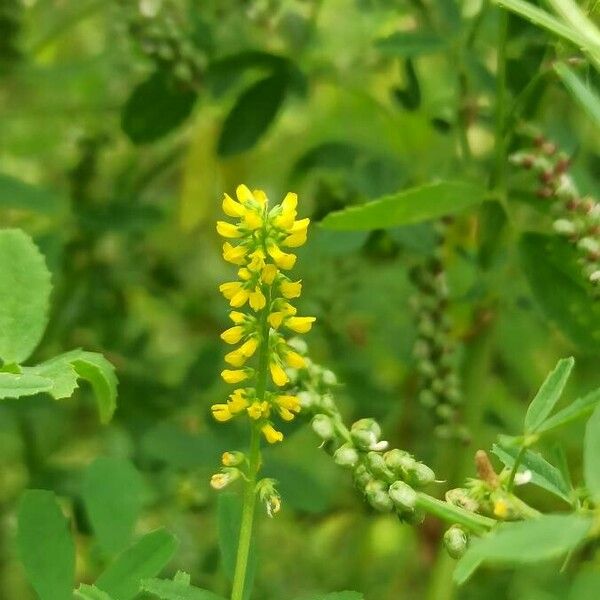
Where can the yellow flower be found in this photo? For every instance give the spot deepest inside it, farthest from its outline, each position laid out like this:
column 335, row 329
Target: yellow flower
column 237, row 401
column 257, row 299
column 240, row 298
column 278, row 375
column 271, row 434
column 282, row 259
column 227, row 230
column 234, row 254
column 268, row 274
column 235, row 358
column 229, row 459
column 233, row 335
column 275, row 319
column 288, row 211
column 291, row 289
column 253, row 221
column 295, row 240
column 249, row 347
column 300, row 226
column 230, row 289
column 260, row 197
column 300, row 324
column 237, row 317
column 287, row 406
column 258, row 409
column 234, row 376
column 244, row 194
column 220, row 480
column 232, row 208
column 257, row 260
column 500, row 509
column 293, row 359
column 221, row 412
column 244, row 274
column 288, row 309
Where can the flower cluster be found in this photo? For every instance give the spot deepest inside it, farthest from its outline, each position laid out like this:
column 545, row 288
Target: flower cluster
column 435, row 349
column 258, row 245
column 575, row 217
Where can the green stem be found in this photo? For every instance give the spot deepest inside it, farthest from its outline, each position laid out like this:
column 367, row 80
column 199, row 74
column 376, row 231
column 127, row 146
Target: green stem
column 249, row 501
column 513, row 473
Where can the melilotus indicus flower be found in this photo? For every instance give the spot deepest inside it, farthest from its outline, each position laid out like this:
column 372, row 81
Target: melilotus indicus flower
column 259, row 244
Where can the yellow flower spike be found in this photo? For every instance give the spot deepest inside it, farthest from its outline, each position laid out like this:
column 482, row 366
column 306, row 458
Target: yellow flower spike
column 227, row 230
column 233, row 335
column 232, row 208
column 234, row 254
column 291, row 289
column 237, row 402
column 278, row 375
column 268, row 274
column 221, row 412
column 293, row 359
column 271, row 434
column 260, row 197
column 282, row 259
column 244, row 194
column 237, row 317
column 230, row 289
column 257, row 299
column 234, row 376
column 252, row 220
column 249, row 347
column 235, row 358
column 276, row 319
column 240, row 298
column 300, row 324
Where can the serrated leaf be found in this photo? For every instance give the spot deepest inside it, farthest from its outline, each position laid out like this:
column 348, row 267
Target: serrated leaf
column 406, row 44
column 24, row 295
column 156, row 107
column 60, row 372
column 252, row 114
column 581, row 92
column 408, row 206
column 45, row 545
column 548, row 395
column 591, row 454
column 543, row 474
column 559, row 289
column 178, row 589
column 575, row 410
column 90, row 592
column 112, row 494
column 142, row 560
column 16, row 385
column 544, row 538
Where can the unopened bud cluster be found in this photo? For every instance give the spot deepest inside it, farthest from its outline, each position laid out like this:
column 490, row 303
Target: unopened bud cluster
column 575, row 217
column 161, row 36
column 435, row 349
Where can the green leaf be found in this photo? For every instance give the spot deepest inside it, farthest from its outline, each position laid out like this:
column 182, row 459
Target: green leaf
column 408, row 206
column 229, row 521
column 178, row 589
column 575, row 410
column 142, row 560
column 554, row 277
column 156, row 107
column 544, row 538
column 90, row 592
column 591, row 454
column 548, row 395
column 339, row 596
column 45, row 545
column 24, row 295
column 15, row 193
column 406, row 44
column 581, row 92
column 60, row 372
column 543, row 474
column 252, row 114
column 112, row 493
column 586, row 585
column 15, row 385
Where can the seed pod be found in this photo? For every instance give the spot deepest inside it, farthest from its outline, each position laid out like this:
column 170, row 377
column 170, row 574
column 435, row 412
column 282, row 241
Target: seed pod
column 346, row 456
column 403, row 496
column 399, row 461
column 376, row 464
column 421, row 475
column 456, row 541
column 378, row 497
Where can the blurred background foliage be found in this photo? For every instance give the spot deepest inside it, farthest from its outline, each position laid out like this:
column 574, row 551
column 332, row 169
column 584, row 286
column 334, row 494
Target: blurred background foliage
column 122, row 125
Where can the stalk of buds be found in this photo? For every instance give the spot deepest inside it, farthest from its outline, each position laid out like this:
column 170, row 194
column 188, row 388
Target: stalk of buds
column 435, row 348
column 575, row 217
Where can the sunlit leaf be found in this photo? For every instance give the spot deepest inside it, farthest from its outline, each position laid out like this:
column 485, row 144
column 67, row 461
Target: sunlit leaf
column 582, row 93
column 591, row 454
column 16, row 385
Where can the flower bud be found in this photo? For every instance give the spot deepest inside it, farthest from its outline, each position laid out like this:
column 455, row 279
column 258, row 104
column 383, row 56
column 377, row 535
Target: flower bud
column 221, row 480
column 400, row 462
column 362, row 477
column 306, row 399
column 365, row 433
column 346, row 456
column 232, row 459
column 422, row 475
column 323, row 426
column 427, row 398
column 456, row 541
column 298, row 344
column 403, row 496
column 376, row 464
column 329, row 377
column 378, row 497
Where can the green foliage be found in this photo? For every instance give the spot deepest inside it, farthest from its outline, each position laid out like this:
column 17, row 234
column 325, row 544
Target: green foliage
column 178, row 589
column 591, row 454
column 16, row 194
column 544, row 538
column 45, row 545
column 581, row 92
column 112, row 493
column 142, row 560
column 575, row 410
column 90, row 592
column 24, row 296
column 408, row 206
column 408, row 44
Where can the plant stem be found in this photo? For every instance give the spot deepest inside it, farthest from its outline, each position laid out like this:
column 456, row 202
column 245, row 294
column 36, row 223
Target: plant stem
column 249, row 502
column 454, row 514
column 513, row 472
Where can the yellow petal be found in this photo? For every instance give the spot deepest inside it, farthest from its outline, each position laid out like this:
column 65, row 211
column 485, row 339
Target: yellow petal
column 244, row 194
column 228, row 230
column 232, row 208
